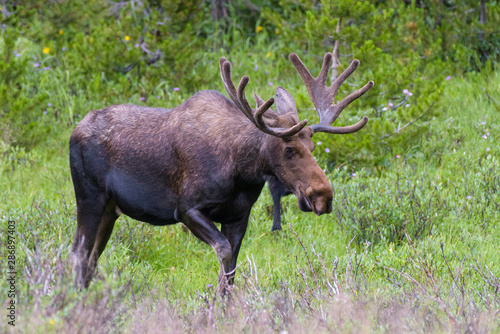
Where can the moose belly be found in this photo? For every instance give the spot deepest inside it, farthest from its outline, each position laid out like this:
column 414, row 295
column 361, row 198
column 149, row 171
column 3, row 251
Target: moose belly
column 234, row 208
column 142, row 199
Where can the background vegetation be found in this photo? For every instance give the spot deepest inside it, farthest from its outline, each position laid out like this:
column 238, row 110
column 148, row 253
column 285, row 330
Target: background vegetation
column 412, row 243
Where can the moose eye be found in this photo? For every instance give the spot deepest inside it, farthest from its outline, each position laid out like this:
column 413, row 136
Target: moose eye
column 289, row 152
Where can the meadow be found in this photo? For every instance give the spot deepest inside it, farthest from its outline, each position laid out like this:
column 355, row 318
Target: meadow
column 411, row 244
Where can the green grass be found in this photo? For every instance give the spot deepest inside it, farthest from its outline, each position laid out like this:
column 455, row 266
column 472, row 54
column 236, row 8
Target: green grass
column 443, row 190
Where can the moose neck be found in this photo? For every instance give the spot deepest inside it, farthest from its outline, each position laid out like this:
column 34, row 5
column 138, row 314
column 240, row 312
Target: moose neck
column 253, row 162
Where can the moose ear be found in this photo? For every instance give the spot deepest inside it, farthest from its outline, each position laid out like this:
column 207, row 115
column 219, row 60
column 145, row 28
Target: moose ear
column 258, row 100
column 285, row 103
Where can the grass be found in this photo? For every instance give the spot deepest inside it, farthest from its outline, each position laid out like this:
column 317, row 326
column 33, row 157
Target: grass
column 410, row 247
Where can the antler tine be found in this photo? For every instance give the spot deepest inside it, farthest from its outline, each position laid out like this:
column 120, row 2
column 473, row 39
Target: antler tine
column 323, row 97
column 225, row 72
column 259, row 113
column 340, row 130
column 239, row 98
column 327, row 63
column 351, row 97
column 341, row 78
column 304, row 73
column 258, row 100
column 247, row 110
column 292, row 131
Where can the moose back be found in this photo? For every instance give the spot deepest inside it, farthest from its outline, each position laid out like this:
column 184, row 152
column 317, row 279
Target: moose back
column 204, row 161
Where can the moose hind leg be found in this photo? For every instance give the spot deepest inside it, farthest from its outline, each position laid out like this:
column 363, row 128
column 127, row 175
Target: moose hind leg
column 276, row 212
column 103, row 234
column 89, row 215
column 277, row 190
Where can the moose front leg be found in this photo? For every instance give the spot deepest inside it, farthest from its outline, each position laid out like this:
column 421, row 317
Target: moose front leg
column 234, row 232
column 205, row 230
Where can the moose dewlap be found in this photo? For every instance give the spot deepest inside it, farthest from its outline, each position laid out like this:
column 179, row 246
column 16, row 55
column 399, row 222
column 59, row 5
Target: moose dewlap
column 204, row 161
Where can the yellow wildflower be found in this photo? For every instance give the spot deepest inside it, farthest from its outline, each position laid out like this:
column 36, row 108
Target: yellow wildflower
column 127, row 38
column 172, row 269
column 91, row 40
column 46, row 50
column 277, row 32
column 268, row 54
column 61, row 32
column 52, row 322
column 259, row 29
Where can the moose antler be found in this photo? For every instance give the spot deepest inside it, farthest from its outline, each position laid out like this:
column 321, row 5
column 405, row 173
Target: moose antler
column 241, row 102
column 323, row 97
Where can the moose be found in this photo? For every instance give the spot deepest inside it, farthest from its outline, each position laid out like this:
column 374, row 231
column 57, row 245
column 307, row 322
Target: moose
column 205, row 161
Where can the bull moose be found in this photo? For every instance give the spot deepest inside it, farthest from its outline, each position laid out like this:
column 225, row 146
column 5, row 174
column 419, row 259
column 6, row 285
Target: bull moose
column 204, row 161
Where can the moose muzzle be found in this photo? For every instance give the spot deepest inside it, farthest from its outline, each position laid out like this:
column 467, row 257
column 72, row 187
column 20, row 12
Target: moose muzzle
column 318, row 199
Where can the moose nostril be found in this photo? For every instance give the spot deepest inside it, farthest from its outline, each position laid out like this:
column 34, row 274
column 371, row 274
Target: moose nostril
column 321, row 205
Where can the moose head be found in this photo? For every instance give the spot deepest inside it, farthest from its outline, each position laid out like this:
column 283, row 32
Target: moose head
column 323, row 99
column 204, row 161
